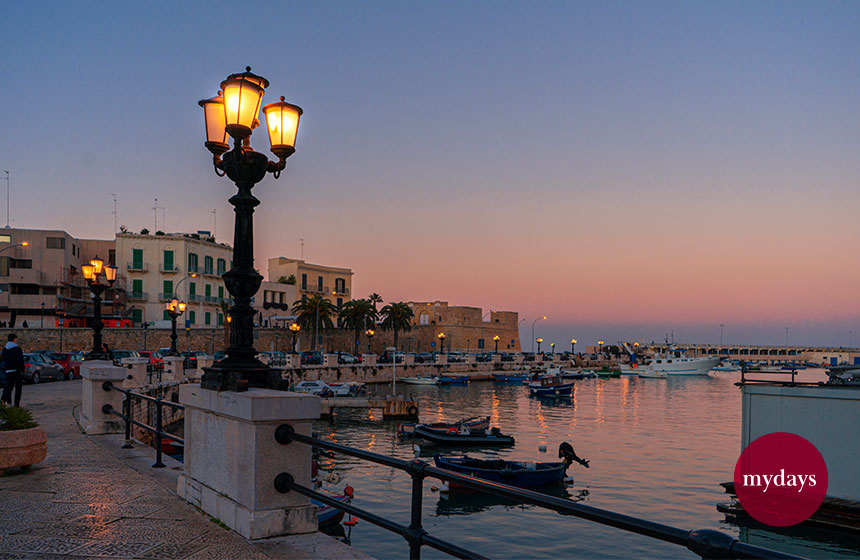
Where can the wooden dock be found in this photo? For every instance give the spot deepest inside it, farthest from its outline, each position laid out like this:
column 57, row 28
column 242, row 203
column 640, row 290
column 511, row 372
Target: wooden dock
column 392, row 407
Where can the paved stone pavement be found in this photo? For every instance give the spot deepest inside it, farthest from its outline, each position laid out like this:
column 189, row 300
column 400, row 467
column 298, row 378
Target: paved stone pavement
column 86, row 500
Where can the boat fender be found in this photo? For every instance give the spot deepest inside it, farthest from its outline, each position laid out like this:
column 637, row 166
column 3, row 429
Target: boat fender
column 349, row 491
column 412, row 411
column 352, row 522
column 452, row 431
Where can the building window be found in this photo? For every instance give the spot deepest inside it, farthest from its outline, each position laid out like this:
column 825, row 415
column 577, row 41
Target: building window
column 221, row 292
column 319, row 283
column 192, row 262
column 208, row 318
column 304, row 281
column 5, row 239
column 424, row 319
column 222, row 267
column 56, row 242
column 166, row 316
column 192, row 288
column 20, row 263
column 4, row 266
column 220, row 319
column 340, row 285
column 137, row 259
column 168, row 260
column 137, row 315
column 112, row 257
column 207, row 265
column 192, row 316
column 137, row 286
column 208, row 291
column 168, row 287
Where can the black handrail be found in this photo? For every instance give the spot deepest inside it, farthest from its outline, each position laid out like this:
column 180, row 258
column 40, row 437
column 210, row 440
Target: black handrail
column 127, row 418
column 706, row 543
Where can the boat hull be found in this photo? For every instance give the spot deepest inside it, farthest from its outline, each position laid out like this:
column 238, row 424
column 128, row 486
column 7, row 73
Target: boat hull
column 512, row 473
column 453, row 439
column 420, row 380
column 552, row 391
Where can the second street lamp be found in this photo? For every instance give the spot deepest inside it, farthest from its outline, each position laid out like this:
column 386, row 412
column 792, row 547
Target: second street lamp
column 369, row 333
column 538, row 340
column 294, row 328
column 441, row 337
column 92, row 274
column 496, row 340
column 235, row 113
column 572, row 345
column 175, row 308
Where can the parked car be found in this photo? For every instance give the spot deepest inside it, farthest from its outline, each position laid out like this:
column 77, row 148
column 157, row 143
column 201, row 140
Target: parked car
column 346, row 358
column 118, row 355
column 456, row 358
column 484, row 357
column 69, row 361
column 38, row 367
column 528, row 357
column 385, row 358
column 507, row 357
column 154, row 357
column 194, row 355
column 425, row 357
column 323, row 389
column 312, row 357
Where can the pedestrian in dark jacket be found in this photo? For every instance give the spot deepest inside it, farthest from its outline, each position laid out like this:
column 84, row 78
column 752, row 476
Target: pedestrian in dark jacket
column 13, row 357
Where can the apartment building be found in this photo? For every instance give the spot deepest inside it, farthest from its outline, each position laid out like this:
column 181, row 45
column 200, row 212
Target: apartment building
column 41, row 283
column 160, row 267
column 313, row 279
column 274, row 303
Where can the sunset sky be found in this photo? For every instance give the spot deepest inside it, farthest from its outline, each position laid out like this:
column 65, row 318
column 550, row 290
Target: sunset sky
column 626, row 168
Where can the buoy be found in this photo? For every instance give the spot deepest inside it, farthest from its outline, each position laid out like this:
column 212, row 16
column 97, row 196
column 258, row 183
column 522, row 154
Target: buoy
column 351, row 522
column 542, row 448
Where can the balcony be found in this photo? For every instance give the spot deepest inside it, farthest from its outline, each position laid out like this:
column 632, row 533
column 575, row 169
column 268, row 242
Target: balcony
column 196, row 298
column 168, row 269
column 166, row 296
column 137, row 296
column 212, row 299
column 193, row 269
column 137, row 267
column 341, row 291
column 314, row 288
column 24, row 276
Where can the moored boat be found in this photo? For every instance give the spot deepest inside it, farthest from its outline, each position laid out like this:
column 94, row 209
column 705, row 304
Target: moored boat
column 521, row 474
column 550, row 386
column 463, row 437
column 419, row 380
column 329, row 515
column 453, row 380
column 475, row 423
column 513, row 377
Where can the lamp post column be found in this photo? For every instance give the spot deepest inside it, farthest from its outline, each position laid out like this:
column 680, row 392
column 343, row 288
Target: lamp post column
column 174, row 351
column 97, row 289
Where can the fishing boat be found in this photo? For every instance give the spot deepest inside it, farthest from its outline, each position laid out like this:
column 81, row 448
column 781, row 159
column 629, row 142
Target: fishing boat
column 550, row 386
column 606, row 373
column 463, row 437
column 419, row 380
column 577, row 374
column 671, row 362
column 474, row 423
column 648, row 373
column 329, row 515
column 513, row 473
column 453, row 380
column 727, row 365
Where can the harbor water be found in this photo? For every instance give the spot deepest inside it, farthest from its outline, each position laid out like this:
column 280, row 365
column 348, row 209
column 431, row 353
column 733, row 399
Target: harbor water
column 658, row 449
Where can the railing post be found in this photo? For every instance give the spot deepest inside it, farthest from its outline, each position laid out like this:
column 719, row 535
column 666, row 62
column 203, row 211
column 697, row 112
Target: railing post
column 415, row 531
column 158, row 464
column 126, row 410
column 94, row 395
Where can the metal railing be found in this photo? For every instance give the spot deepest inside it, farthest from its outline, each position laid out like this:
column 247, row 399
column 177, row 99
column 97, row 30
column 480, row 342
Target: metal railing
column 137, row 266
column 154, row 370
column 137, row 296
column 125, row 415
column 168, row 268
column 706, row 543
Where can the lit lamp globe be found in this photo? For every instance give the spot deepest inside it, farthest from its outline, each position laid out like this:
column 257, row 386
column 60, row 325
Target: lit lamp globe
column 216, row 124
column 110, row 274
column 243, row 94
column 282, row 120
column 87, row 270
column 97, row 265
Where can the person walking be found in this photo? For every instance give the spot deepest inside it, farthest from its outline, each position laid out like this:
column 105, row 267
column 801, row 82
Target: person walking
column 13, row 358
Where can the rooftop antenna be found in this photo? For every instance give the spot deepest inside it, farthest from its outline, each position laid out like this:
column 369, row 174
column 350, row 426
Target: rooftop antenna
column 155, row 214
column 114, row 212
column 302, row 239
column 214, row 222
column 7, row 198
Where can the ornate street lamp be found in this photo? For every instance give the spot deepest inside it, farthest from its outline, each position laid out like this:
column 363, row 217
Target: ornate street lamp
column 441, row 337
column 538, row 340
column 572, row 345
column 600, row 346
column 496, row 340
column 175, row 308
column 369, row 333
column 295, row 328
column 553, row 348
column 235, row 112
column 92, row 274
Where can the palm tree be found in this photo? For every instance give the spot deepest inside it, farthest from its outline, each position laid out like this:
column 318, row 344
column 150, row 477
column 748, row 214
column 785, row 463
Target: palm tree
column 358, row 315
column 375, row 298
column 397, row 317
column 315, row 312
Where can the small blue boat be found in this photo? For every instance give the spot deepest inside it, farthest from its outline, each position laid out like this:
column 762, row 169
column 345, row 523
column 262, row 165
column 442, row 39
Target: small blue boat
column 328, row 515
column 550, row 386
column 513, row 473
column 510, row 377
column 453, row 380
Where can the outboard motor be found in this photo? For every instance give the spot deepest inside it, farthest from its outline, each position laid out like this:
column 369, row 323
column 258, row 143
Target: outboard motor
column 566, row 452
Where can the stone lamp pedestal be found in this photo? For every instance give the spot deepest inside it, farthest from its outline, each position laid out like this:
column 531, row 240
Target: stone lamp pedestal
column 232, row 458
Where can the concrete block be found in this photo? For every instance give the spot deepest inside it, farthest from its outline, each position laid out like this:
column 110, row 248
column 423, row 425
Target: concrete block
column 94, row 397
column 330, row 360
column 368, row 360
column 441, row 359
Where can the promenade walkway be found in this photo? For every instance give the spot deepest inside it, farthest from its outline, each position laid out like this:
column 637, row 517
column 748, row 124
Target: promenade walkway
column 90, row 499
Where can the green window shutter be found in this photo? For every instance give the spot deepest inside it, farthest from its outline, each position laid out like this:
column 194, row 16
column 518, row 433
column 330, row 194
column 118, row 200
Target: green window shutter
column 137, row 258
column 137, row 286
column 208, row 290
column 208, row 318
column 168, row 260
column 192, row 262
column 137, row 315
column 166, row 316
column 192, row 316
column 168, row 286
column 221, row 292
column 220, row 319
column 207, row 265
column 222, row 267
column 192, row 288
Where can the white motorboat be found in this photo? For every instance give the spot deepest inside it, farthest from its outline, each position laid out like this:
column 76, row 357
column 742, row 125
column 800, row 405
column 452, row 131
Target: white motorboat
column 727, row 365
column 420, row 380
column 672, row 362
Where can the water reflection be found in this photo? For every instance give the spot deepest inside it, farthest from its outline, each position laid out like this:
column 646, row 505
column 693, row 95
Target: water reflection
column 461, row 501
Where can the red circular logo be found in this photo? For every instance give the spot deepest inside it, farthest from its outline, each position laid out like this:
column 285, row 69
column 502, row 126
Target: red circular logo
column 781, row 479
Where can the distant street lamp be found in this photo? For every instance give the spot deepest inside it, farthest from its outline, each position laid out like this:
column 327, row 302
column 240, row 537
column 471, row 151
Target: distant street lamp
column 600, row 346
column 295, row 328
column 92, row 274
column 235, row 112
column 496, row 340
column 538, row 340
column 572, row 345
column 369, row 333
column 533, row 330
column 175, row 308
column 552, row 346
column 441, row 337
column 21, row 244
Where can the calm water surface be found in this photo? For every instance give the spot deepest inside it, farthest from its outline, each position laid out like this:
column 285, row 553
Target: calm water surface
column 658, row 450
